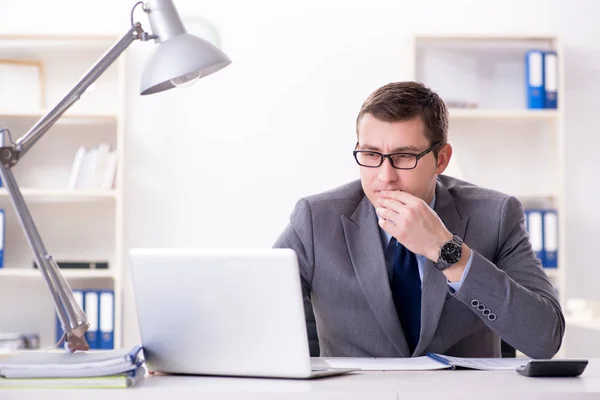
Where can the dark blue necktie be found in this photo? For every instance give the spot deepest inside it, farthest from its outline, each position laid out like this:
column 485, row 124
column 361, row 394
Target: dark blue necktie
column 406, row 291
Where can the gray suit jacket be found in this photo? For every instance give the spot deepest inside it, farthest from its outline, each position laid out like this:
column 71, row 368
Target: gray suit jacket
column 506, row 293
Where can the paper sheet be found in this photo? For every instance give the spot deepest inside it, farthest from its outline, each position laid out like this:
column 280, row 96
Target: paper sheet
column 379, row 364
column 488, row 364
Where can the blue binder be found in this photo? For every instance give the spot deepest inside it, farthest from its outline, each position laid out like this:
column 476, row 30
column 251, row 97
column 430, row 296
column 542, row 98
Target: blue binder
column 59, row 329
column 91, row 311
column 550, row 225
column 550, row 79
column 534, row 75
column 106, row 313
column 79, row 299
column 535, row 223
column 2, row 230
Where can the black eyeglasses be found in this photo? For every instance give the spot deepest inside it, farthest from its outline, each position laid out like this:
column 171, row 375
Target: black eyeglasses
column 373, row 159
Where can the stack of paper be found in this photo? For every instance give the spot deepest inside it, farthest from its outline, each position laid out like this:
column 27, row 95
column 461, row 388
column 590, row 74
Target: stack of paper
column 112, row 368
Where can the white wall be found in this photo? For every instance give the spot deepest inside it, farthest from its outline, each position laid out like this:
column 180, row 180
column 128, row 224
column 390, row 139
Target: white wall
column 222, row 164
column 578, row 27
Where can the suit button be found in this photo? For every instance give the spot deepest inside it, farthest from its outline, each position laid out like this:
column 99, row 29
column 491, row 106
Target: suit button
column 492, row 317
column 486, row 312
column 474, row 303
column 481, row 307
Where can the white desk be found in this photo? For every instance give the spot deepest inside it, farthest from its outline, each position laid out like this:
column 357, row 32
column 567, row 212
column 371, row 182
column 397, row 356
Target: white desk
column 393, row 385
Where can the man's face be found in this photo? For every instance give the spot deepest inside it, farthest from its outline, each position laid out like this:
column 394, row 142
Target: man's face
column 393, row 137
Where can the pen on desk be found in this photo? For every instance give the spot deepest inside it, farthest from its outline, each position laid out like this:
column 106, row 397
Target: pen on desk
column 439, row 359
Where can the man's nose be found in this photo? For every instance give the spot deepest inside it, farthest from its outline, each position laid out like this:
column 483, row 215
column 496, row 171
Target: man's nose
column 387, row 173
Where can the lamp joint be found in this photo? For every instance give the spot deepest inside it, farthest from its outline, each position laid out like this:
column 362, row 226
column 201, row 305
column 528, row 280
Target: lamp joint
column 9, row 156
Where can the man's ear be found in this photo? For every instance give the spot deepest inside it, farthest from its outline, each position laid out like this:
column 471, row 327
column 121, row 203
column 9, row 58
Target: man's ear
column 443, row 159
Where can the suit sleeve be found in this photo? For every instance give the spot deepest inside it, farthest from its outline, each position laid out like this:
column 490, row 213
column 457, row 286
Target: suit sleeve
column 298, row 236
column 522, row 305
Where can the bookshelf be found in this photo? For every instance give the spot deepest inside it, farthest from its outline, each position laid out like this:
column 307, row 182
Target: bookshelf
column 498, row 142
column 75, row 224
column 506, row 115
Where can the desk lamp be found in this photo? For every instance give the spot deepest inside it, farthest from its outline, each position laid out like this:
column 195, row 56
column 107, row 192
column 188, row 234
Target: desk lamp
column 179, row 61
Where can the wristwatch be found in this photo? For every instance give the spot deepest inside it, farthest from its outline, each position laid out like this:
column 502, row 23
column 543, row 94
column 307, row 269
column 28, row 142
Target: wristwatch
column 450, row 253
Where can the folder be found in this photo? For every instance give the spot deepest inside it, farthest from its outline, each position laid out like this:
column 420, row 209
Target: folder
column 536, row 233
column 550, row 239
column 2, row 229
column 91, row 311
column 107, row 320
column 79, row 299
column 534, row 75
column 550, row 80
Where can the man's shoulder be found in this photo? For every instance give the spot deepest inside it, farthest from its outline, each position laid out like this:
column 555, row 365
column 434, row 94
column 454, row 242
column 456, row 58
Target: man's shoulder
column 346, row 195
column 470, row 196
column 466, row 190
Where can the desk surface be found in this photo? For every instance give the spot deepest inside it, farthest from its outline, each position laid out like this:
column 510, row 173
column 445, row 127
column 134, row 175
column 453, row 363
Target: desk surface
column 393, row 385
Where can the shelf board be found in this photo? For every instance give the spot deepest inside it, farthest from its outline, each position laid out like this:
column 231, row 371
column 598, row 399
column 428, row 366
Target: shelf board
column 63, row 195
column 474, row 113
column 51, row 42
column 487, row 43
column 484, row 37
column 67, row 273
column 68, row 117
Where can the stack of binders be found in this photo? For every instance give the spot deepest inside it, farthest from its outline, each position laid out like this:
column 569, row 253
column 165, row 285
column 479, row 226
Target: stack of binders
column 542, row 226
column 99, row 307
column 542, row 79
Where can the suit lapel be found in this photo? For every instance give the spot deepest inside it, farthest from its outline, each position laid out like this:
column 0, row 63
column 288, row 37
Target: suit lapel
column 435, row 284
column 366, row 253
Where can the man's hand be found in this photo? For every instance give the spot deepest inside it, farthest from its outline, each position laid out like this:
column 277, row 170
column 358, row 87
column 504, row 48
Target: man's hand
column 418, row 228
column 412, row 222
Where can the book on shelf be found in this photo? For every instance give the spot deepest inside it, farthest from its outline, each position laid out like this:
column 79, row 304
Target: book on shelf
column 79, row 264
column 542, row 227
column 93, row 168
column 541, row 74
column 99, row 306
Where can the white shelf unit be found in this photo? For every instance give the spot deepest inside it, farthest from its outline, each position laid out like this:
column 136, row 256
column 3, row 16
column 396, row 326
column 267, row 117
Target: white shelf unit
column 75, row 224
column 498, row 142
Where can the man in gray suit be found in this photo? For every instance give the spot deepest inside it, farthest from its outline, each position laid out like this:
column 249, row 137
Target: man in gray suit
column 408, row 261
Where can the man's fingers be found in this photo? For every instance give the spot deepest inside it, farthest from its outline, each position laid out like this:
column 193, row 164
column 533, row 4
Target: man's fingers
column 402, row 197
column 391, row 204
column 387, row 213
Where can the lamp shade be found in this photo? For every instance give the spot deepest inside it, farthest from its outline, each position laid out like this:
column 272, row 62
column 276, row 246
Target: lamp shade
column 180, row 57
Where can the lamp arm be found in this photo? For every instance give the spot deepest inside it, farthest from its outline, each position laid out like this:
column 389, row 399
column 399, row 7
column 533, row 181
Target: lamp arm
column 72, row 317
column 24, row 143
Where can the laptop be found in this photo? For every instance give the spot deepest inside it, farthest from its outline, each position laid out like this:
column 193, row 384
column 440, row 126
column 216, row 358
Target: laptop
column 223, row 312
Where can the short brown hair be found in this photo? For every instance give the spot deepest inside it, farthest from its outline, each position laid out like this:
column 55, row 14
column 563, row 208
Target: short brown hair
column 402, row 101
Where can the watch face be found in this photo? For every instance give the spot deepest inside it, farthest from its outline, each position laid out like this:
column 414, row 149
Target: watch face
column 451, row 253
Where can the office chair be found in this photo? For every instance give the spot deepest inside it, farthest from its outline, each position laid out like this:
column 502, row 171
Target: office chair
column 507, row 350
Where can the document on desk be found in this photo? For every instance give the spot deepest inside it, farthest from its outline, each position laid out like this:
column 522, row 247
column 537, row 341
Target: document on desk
column 380, row 364
column 486, row 364
column 430, row 362
column 63, row 364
